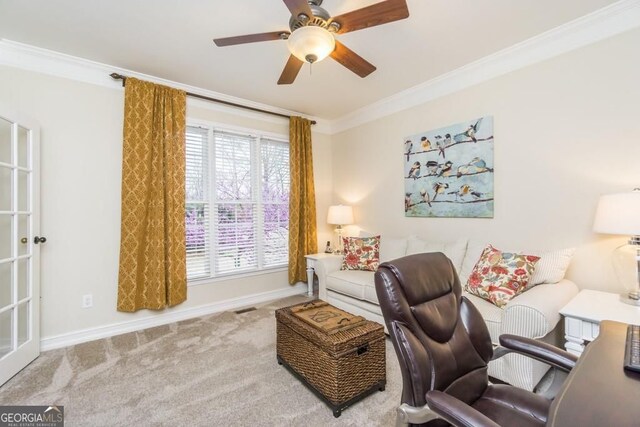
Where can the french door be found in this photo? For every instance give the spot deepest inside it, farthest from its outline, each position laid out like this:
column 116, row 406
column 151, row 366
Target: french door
column 19, row 244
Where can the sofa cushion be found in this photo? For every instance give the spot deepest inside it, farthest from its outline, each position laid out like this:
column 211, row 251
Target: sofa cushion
column 474, row 250
column 350, row 282
column 392, row 248
column 499, row 276
column 455, row 251
column 370, row 293
column 361, row 253
column 551, row 267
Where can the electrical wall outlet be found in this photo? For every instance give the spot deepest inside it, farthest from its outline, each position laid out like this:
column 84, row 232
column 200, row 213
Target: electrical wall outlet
column 87, row 301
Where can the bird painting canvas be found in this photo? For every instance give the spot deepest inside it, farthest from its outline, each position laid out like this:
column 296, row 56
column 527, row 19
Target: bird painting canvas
column 448, row 172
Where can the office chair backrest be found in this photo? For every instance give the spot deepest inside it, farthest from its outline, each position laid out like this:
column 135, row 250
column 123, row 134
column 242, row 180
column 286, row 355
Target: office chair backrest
column 440, row 338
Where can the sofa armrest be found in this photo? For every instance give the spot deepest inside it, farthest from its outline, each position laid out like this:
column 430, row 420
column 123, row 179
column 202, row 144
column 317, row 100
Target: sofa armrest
column 534, row 313
column 324, row 267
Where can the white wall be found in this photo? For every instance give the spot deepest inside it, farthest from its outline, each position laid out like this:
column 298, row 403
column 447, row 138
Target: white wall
column 81, row 154
column 566, row 131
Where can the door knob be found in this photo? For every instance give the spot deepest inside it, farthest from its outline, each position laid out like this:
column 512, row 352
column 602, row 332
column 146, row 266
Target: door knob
column 24, row 240
column 37, row 240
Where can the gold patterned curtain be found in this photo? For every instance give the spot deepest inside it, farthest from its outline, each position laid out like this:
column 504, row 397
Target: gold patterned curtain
column 152, row 246
column 303, row 238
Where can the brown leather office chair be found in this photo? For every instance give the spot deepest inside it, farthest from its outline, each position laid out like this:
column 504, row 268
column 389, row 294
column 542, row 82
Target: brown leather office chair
column 443, row 347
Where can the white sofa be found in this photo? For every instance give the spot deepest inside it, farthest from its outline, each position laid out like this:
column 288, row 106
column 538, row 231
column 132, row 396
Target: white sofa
column 533, row 314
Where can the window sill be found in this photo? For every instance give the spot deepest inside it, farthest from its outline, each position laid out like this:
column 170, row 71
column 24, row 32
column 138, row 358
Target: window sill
column 233, row 276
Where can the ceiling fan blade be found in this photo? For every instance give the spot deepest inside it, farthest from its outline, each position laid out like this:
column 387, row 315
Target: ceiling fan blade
column 370, row 16
column 352, row 60
column 250, row 38
column 296, row 7
column 290, row 71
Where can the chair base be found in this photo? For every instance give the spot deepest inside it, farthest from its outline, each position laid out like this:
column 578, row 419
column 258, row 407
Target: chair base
column 411, row 415
column 551, row 389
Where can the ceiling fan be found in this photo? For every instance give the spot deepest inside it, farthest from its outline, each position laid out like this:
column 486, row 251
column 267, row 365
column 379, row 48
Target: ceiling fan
column 311, row 38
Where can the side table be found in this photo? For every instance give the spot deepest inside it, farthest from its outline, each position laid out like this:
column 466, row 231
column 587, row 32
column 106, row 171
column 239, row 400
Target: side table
column 583, row 314
column 312, row 259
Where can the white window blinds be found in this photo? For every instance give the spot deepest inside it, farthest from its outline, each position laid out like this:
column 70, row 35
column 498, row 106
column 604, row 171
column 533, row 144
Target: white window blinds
column 238, row 212
column 197, row 203
column 274, row 157
column 235, row 203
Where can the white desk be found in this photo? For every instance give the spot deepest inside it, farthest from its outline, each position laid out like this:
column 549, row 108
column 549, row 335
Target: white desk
column 583, row 314
column 312, row 259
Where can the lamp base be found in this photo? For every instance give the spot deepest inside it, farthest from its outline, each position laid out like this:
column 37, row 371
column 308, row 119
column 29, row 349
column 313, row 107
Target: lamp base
column 631, row 298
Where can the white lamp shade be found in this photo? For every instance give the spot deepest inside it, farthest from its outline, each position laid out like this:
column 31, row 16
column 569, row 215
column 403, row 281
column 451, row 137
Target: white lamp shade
column 340, row 215
column 311, row 42
column 618, row 214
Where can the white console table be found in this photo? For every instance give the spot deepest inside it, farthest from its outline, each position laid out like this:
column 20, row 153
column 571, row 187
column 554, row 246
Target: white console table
column 311, row 265
column 583, row 314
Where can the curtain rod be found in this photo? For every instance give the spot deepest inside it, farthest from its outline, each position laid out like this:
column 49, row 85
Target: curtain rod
column 117, row 76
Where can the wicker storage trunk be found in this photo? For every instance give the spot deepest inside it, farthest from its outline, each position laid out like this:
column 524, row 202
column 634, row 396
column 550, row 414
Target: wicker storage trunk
column 341, row 366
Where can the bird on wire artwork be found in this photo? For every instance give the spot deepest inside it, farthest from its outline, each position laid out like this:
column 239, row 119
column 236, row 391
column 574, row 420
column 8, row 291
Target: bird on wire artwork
column 475, row 166
column 408, row 146
column 466, row 190
column 448, row 172
column 445, row 170
column 470, row 133
column 414, row 172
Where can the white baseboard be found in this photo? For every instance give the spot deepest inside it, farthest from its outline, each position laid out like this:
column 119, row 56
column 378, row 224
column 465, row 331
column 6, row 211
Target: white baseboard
column 91, row 334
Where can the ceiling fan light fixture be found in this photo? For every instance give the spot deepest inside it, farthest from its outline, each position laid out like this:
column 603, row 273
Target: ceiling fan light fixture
column 311, row 43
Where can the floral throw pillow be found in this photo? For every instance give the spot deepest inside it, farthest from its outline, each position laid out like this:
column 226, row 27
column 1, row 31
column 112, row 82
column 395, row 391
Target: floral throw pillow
column 361, row 253
column 499, row 276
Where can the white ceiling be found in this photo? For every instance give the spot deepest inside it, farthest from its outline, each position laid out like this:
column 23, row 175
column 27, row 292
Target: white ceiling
column 172, row 39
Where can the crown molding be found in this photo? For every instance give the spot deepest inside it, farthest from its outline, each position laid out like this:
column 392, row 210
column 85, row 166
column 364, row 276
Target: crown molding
column 32, row 58
column 609, row 21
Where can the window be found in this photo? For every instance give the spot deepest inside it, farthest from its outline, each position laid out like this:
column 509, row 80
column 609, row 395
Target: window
column 237, row 202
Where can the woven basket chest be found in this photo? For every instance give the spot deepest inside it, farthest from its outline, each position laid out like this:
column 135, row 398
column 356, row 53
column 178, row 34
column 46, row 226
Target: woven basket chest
column 342, row 363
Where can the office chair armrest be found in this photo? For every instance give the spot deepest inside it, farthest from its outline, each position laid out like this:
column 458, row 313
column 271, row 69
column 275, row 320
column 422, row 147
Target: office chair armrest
column 456, row 412
column 537, row 350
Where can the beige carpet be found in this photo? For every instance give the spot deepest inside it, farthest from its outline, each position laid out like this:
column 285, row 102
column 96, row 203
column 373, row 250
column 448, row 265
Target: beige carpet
column 218, row 370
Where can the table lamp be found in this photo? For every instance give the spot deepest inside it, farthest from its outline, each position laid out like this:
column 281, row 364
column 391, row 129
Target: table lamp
column 620, row 214
column 340, row 215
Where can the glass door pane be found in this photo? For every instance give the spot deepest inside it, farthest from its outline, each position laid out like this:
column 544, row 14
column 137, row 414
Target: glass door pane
column 23, row 147
column 5, row 141
column 23, row 323
column 6, row 284
column 23, row 278
column 6, row 231
column 23, row 191
column 5, row 188
column 23, row 233
column 6, row 332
